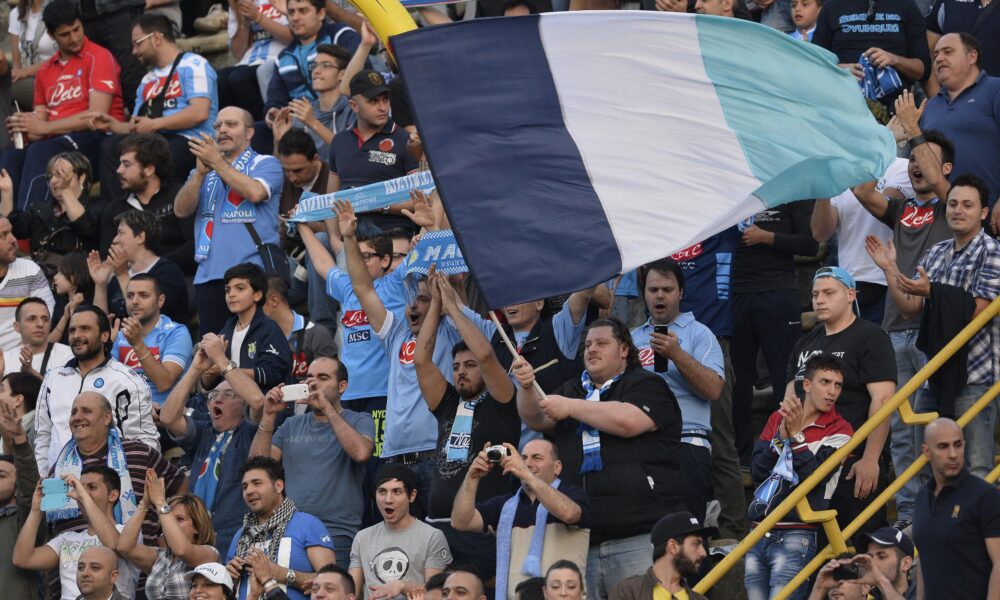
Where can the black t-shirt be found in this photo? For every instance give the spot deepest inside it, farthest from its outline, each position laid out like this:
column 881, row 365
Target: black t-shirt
column 492, row 422
column 867, row 355
column 760, row 267
column 843, row 27
column 950, row 530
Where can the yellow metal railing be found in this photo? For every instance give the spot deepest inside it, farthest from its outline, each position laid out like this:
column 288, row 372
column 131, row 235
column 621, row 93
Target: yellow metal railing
column 798, row 498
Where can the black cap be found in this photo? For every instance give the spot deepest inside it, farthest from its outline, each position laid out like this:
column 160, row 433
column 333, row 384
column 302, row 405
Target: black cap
column 392, row 471
column 887, row 537
column 679, row 525
column 369, row 84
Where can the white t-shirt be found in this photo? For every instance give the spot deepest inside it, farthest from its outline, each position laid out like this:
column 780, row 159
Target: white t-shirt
column 60, row 355
column 236, row 347
column 856, row 223
column 25, row 32
column 69, row 545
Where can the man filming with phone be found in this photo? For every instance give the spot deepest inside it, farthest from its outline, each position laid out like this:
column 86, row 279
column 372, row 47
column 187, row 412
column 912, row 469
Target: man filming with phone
column 687, row 355
column 329, row 440
column 516, row 519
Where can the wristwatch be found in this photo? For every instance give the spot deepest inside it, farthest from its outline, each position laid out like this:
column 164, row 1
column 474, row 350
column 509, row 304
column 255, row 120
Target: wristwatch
column 290, row 577
column 165, row 509
column 229, row 367
column 799, row 438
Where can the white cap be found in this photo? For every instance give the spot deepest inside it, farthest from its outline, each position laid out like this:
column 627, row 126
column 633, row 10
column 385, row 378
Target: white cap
column 213, row 572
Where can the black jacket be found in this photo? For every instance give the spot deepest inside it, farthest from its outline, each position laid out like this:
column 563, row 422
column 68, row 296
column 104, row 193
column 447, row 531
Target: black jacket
column 39, row 224
column 265, row 350
column 539, row 348
column 948, row 310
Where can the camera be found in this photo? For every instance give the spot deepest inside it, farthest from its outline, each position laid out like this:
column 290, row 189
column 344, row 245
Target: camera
column 847, row 572
column 494, row 454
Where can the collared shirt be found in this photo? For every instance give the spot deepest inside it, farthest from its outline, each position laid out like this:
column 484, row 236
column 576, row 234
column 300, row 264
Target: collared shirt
column 953, row 16
column 166, row 341
column 972, row 122
column 976, row 269
column 63, row 85
column 698, row 341
column 950, row 532
column 193, row 78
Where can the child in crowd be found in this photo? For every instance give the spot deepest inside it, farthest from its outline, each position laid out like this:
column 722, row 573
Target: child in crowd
column 73, row 287
column 804, row 15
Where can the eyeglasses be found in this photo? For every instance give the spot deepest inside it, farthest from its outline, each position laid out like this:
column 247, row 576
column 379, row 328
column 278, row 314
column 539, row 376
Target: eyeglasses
column 396, row 255
column 871, row 10
column 227, row 395
column 367, row 256
column 136, row 43
column 324, row 65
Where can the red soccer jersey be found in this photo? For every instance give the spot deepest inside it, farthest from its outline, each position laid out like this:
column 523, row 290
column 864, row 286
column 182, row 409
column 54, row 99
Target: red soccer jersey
column 64, row 86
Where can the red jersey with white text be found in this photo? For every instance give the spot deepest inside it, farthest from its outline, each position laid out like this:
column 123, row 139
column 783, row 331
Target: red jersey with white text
column 63, row 86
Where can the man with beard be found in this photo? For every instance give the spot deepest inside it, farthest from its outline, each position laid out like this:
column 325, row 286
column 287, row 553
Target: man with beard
column 144, row 175
column 296, row 543
column 177, row 99
column 235, row 192
column 476, row 412
column 91, row 370
column 149, row 343
column 217, row 448
column 36, row 354
column 678, row 551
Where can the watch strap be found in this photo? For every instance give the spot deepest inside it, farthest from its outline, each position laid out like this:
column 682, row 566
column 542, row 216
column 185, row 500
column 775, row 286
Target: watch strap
column 916, row 141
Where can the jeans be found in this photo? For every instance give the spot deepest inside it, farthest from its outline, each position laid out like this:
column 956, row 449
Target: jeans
column 611, row 561
column 775, row 560
column 978, row 433
column 727, row 481
column 904, row 446
column 213, row 312
column 342, row 550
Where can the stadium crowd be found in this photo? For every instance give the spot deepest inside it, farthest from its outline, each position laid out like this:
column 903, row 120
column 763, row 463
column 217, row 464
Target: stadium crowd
column 200, row 402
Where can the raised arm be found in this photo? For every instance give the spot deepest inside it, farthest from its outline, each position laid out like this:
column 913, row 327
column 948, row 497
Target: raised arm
column 464, row 516
column 186, row 201
column 433, row 385
column 177, row 540
column 884, row 256
column 318, row 254
column 361, row 281
column 578, row 302
column 873, row 200
column 557, row 503
column 528, row 405
column 357, row 62
column 172, row 413
column 26, row 555
column 825, row 219
column 929, row 163
column 262, row 444
column 103, row 526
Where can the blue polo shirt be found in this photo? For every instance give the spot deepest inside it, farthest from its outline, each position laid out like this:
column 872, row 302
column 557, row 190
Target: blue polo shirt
column 959, row 16
column 950, row 532
column 360, row 348
column 167, row 341
column 972, row 122
column 698, row 341
column 707, row 268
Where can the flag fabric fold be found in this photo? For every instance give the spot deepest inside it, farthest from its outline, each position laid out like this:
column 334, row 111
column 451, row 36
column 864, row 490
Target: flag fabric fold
column 599, row 141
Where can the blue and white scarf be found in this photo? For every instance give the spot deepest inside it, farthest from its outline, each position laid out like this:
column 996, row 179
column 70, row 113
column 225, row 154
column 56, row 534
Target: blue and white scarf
column 235, row 209
column 364, row 199
column 437, row 248
column 590, row 436
column 877, row 83
column 783, row 477
column 532, row 565
column 70, row 463
column 211, row 470
column 460, row 438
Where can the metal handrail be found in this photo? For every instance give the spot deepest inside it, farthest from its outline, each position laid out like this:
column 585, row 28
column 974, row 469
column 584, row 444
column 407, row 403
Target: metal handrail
column 899, row 401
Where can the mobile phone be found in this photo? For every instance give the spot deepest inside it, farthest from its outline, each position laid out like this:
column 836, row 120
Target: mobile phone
column 660, row 364
column 847, row 572
column 54, row 496
column 295, row 392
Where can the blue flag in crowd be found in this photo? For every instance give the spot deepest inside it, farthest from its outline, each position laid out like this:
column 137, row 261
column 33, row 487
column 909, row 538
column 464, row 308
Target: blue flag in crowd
column 367, row 198
column 438, row 248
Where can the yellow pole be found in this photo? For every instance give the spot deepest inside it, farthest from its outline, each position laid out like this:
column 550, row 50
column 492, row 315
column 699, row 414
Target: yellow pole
column 803, row 489
column 388, row 18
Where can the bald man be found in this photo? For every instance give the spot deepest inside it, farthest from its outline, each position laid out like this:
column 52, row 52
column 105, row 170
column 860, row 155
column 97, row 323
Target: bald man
column 956, row 524
column 463, row 585
column 97, row 571
column 234, row 194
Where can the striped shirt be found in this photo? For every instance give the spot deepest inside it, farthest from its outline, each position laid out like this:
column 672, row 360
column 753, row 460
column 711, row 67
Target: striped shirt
column 24, row 278
column 976, row 269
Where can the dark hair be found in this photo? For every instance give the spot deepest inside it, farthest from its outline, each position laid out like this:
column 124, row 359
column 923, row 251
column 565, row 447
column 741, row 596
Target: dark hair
column 276, row 285
column 140, row 221
column 157, row 288
column 664, row 266
column 531, row 589
column 103, row 323
column 381, row 244
column 58, row 13
column 823, row 362
column 78, row 162
column 973, row 181
column 151, row 22
column 933, row 136
column 509, row 4
column 459, row 347
column 317, row 4
column 564, row 564
column 659, row 550
column 111, row 478
column 471, row 569
column 971, row 44
column 344, row 575
column 25, row 385
column 389, row 471
column 252, row 273
column 29, row 300
column 151, row 150
column 343, row 56
column 8, row 458
column 74, row 267
column 297, row 141
column 267, row 464
column 621, row 333
column 436, row 581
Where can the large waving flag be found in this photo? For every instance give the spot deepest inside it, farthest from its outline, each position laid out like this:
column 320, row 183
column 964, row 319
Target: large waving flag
column 570, row 147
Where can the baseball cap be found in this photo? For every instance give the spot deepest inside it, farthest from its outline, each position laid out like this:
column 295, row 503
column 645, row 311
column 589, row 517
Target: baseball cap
column 888, row 537
column 838, row 273
column 677, row 525
column 213, row 572
column 369, row 84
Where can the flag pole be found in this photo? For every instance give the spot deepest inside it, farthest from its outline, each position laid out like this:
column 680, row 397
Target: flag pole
column 513, row 350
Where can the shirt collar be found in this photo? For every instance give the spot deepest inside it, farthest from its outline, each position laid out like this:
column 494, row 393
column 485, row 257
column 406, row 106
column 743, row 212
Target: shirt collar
column 944, row 93
column 298, row 321
column 954, row 485
column 681, row 320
